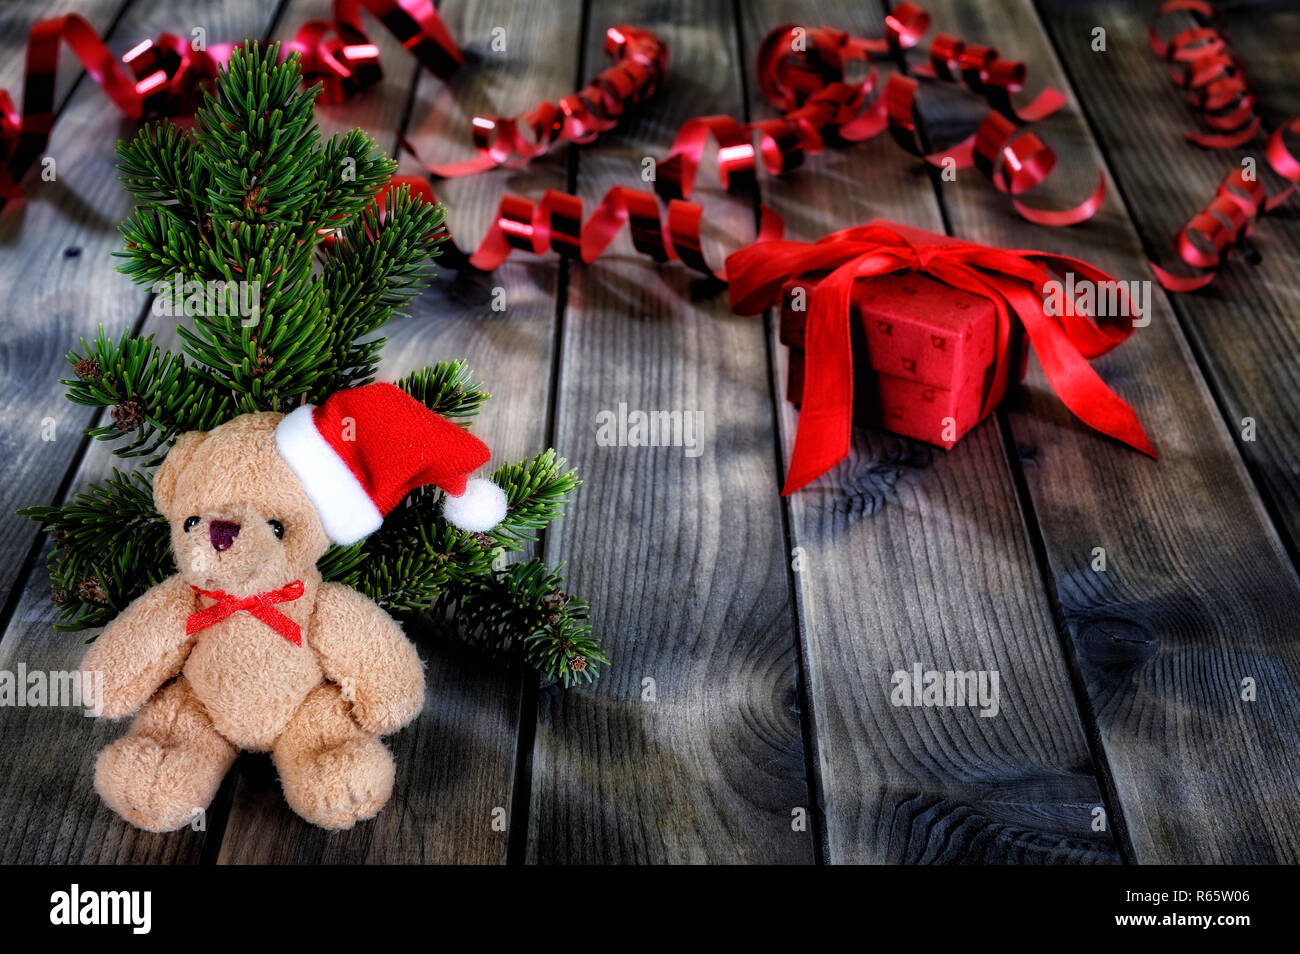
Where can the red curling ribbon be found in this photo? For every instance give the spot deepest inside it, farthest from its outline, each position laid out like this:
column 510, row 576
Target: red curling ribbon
column 259, row 605
column 555, row 223
column 801, row 72
column 164, row 77
column 1232, row 213
column 641, row 59
column 154, row 78
column 1014, row 160
column 982, row 71
column 338, row 53
column 1012, row 280
column 808, row 87
column 1205, row 65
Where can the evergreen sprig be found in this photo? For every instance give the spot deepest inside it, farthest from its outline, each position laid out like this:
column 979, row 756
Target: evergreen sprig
column 252, row 208
column 110, row 546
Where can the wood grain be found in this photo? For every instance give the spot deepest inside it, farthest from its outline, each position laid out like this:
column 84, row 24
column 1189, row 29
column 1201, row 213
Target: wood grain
column 456, row 764
column 918, row 555
column 50, row 268
column 1198, row 594
column 977, row 558
column 51, row 812
column 1246, row 326
column 689, row 747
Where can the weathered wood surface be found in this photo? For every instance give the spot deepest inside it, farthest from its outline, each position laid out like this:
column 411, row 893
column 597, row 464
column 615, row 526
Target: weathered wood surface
column 1246, row 326
column 913, row 555
column 51, row 811
column 689, row 748
column 55, row 286
column 1197, row 594
column 769, row 688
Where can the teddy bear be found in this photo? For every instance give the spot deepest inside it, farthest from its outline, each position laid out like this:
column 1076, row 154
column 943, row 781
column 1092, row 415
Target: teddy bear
column 246, row 647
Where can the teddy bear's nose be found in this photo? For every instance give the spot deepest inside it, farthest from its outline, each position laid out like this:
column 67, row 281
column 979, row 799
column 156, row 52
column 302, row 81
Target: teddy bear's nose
column 222, row 533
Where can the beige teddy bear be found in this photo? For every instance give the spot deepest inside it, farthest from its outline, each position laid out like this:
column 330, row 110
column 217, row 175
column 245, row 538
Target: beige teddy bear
column 246, row 647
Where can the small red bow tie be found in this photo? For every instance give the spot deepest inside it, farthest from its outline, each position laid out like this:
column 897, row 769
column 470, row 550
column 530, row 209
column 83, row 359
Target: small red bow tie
column 260, row 605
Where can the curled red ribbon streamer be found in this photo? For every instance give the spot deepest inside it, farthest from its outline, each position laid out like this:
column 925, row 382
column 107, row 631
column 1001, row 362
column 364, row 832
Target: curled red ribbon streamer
column 163, row 77
column 260, row 605
column 339, row 55
column 801, row 72
column 1012, row 280
column 806, row 80
column 556, row 223
column 1206, row 66
column 641, row 59
column 1231, row 215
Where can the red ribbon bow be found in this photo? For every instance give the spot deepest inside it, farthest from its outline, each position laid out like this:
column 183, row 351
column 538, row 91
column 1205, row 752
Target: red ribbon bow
column 260, row 605
column 1012, row 280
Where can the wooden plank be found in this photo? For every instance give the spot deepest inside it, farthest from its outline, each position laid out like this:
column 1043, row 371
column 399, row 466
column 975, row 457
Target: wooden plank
column 46, row 795
column 50, row 282
column 916, row 555
column 689, row 747
column 1198, row 595
column 1246, row 326
column 456, row 765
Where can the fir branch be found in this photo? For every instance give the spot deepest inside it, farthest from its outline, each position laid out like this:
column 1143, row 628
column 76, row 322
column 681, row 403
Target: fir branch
column 407, row 564
column 525, row 608
column 153, row 393
column 377, row 264
column 257, row 136
column 110, row 546
column 445, row 388
column 248, row 199
column 274, row 359
column 349, row 173
column 159, row 167
column 159, row 246
column 536, row 491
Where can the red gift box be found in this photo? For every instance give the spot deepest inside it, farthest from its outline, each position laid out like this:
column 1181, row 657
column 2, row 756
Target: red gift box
column 920, row 333
column 928, row 367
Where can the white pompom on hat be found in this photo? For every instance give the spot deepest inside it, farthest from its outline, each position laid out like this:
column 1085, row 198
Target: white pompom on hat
column 364, row 449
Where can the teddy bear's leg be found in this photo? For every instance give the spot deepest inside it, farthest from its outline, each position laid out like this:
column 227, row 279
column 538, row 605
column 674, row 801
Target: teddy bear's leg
column 166, row 769
column 333, row 772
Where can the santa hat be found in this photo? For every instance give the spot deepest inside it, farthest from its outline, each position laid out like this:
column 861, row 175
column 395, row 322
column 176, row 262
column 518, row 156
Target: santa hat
column 363, row 450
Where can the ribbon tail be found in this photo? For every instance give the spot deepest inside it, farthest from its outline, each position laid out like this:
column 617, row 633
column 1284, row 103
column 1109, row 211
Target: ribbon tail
column 278, row 622
column 205, row 618
column 826, row 418
column 1072, row 378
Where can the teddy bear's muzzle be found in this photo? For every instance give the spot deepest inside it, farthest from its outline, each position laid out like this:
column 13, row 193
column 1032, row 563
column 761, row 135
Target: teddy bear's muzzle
column 222, row 533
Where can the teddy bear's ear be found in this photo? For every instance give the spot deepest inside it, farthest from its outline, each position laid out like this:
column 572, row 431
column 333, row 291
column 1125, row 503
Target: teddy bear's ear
column 164, row 482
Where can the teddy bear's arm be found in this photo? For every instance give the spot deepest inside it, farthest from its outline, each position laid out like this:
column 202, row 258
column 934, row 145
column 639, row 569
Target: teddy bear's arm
column 142, row 648
column 364, row 650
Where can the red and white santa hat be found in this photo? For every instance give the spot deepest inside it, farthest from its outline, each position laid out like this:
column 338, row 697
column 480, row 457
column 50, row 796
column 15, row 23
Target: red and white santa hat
column 363, row 450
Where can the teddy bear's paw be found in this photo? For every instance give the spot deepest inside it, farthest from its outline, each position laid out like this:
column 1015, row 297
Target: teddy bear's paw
column 341, row 785
column 156, row 785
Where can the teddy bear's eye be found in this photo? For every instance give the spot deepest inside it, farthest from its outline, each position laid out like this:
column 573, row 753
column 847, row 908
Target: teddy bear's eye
column 191, row 523
column 277, row 528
